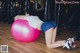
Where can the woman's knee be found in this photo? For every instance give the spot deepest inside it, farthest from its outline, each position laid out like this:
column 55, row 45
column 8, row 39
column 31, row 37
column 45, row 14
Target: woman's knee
column 50, row 46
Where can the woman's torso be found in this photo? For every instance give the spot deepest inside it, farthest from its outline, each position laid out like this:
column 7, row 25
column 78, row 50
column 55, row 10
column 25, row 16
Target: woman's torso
column 34, row 21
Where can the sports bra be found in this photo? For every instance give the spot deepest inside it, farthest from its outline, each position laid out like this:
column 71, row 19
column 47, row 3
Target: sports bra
column 34, row 21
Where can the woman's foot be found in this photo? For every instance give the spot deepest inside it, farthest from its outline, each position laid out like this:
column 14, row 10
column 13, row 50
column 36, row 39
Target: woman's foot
column 69, row 44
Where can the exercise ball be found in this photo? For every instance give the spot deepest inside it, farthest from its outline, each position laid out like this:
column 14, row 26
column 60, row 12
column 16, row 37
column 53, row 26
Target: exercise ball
column 23, row 32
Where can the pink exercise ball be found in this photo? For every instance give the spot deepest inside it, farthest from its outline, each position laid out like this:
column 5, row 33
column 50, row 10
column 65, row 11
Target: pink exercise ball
column 23, row 32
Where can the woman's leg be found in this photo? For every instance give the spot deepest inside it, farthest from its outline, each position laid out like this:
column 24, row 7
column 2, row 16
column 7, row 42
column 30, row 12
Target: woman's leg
column 54, row 36
column 50, row 36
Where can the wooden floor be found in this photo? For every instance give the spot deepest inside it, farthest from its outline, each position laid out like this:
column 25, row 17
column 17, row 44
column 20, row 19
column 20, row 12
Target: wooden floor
column 38, row 46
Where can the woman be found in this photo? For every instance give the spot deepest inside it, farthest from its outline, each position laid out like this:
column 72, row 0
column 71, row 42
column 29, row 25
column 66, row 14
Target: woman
column 50, row 29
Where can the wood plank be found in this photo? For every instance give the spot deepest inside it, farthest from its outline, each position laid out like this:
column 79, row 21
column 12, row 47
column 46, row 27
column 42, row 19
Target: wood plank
column 38, row 46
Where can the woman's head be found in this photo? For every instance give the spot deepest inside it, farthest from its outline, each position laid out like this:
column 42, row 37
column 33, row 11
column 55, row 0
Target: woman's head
column 27, row 14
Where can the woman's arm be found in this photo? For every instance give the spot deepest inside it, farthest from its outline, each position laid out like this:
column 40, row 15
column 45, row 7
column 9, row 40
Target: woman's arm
column 21, row 16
